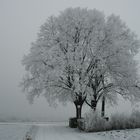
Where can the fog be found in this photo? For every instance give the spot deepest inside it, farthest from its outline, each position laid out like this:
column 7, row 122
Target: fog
column 20, row 21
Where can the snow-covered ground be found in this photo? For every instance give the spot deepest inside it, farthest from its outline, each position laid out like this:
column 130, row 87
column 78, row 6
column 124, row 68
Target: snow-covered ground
column 11, row 131
column 61, row 131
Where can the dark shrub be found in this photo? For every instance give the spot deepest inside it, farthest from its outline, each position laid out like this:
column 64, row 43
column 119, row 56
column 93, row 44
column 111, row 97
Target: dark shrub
column 73, row 122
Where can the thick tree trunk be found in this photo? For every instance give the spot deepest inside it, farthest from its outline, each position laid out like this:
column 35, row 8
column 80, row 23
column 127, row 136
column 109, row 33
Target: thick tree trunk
column 103, row 107
column 73, row 122
column 78, row 111
column 78, row 104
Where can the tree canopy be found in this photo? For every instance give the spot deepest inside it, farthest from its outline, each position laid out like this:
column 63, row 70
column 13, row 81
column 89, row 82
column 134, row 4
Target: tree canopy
column 82, row 54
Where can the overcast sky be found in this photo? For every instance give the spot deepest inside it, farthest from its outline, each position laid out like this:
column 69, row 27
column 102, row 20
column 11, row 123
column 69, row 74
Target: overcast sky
column 20, row 21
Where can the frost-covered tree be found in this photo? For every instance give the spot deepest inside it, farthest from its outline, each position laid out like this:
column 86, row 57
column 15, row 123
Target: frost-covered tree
column 115, row 67
column 81, row 55
column 60, row 59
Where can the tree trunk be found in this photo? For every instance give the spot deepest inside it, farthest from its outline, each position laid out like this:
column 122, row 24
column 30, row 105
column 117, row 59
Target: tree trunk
column 93, row 104
column 78, row 111
column 103, row 107
column 78, row 104
column 73, row 122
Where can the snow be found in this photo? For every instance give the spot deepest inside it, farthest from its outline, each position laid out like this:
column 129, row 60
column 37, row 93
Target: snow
column 13, row 131
column 61, row 131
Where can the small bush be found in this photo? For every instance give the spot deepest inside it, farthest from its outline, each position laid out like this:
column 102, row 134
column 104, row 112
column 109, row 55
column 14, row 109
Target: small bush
column 81, row 124
column 119, row 121
column 135, row 118
column 94, row 122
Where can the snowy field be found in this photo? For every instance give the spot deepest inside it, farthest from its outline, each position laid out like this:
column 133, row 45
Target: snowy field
column 16, row 131
column 61, row 131
column 13, row 131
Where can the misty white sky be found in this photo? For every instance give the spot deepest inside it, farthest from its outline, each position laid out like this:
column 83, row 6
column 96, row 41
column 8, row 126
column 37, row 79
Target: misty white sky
column 19, row 23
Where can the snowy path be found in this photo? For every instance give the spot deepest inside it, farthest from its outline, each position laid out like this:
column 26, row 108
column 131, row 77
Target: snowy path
column 61, row 131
